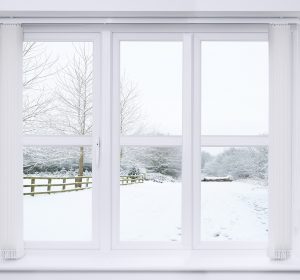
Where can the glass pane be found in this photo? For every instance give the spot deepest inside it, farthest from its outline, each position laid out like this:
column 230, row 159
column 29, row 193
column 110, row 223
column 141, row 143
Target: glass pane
column 234, row 88
column 234, row 194
column 151, row 85
column 150, row 194
column 57, row 193
column 57, row 88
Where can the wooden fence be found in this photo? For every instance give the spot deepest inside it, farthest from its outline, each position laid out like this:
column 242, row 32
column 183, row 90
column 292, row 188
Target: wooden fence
column 133, row 179
column 68, row 184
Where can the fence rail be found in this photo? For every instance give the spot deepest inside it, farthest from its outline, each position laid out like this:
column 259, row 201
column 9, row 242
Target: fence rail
column 133, row 179
column 60, row 184
column 78, row 183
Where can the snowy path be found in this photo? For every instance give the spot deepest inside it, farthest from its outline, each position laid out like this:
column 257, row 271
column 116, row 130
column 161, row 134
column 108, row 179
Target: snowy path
column 152, row 212
column 234, row 211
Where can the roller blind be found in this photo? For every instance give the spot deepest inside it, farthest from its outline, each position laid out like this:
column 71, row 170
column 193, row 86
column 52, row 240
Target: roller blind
column 11, row 197
column 280, row 181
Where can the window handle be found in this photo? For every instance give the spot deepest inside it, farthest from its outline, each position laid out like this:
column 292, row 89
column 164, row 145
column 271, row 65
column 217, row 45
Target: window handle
column 97, row 150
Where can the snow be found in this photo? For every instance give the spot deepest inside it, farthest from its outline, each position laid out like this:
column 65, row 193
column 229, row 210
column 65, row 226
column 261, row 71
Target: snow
column 58, row 217
column 151, row 211
column 235, row 211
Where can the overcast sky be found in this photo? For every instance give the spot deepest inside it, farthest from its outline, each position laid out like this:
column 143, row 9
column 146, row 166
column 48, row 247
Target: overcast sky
column 234, row 88
column 156, row 69
column 234, row 84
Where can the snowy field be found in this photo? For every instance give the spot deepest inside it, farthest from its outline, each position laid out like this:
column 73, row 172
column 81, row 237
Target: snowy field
column 58, row 217
column 152, row 212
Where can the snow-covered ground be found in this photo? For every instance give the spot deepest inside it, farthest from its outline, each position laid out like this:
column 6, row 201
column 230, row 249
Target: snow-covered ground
column 58, row 217
column 234, row 211
column 152, row 212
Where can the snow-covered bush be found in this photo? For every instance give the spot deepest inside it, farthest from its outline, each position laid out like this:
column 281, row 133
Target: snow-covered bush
column 159, row 160
column 134, row 171
column 240, row 163
column 158, row 178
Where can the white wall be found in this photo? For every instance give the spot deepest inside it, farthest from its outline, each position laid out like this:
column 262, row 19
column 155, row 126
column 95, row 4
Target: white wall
column 150, row 5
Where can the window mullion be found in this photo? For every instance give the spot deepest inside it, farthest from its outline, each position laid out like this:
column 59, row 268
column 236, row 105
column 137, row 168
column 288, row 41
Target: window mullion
column 187, row 209
column 97, row 141
column 105, row 144
column 115, row 145
column 196, row 141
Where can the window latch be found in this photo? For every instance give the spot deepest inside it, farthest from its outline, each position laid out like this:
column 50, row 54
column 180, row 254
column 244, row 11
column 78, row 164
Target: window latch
column 97, row 150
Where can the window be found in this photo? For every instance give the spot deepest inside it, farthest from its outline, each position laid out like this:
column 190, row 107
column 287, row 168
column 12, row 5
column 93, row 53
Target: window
column 149, row 157
column 138, row 138
column 237, row 104
column 152, row 119
column 60, row 95
column 234, row 194
column 149, row 176
column 57, row 201
column 232, row 87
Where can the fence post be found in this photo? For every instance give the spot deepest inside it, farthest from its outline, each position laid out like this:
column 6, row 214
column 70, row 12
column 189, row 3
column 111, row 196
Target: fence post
column 49, row 185
column 32, row 187
column 64, row 182
column 78, row 182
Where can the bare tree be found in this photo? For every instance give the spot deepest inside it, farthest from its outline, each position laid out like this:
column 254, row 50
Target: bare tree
column 37, row 67
column 131, row 117
column 130, row 107
column 74, row 92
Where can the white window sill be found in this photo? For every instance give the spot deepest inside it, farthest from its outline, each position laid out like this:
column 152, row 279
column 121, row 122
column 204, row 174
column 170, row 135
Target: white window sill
column 38, row 261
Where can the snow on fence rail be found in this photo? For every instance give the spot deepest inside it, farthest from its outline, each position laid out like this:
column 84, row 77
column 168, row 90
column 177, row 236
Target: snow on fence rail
column 68, row 184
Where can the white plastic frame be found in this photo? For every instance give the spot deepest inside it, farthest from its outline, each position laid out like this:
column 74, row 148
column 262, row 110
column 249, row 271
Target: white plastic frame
column 76, row 140
column 214, row 141
column 105, row 38
column 151, row 141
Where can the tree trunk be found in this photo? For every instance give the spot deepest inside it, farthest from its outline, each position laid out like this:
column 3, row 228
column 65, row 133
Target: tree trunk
column 121, row 153
column 80, row 169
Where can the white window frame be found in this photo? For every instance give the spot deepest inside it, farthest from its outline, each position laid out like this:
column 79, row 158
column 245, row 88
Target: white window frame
column 169, row 141
column 105, row 217
column 191, row 115
column 90, row 141
column 200, row 140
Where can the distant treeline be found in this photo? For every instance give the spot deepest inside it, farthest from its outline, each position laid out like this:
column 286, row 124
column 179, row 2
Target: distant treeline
column 239, row 163
column 54, row 159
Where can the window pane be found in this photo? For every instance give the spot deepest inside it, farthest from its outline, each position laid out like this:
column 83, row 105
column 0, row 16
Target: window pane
column 151, row 88
column 150, row 194
column 234, row 194
column 57, row 193
column 57, row 88
column 234, row 88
